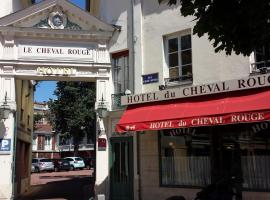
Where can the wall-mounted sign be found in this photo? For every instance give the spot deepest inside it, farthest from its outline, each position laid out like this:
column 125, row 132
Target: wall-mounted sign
column 102, row 144
column 199, row 90
column 5, row 146
column 150, row 78
column 63, row 71
column 52, row 51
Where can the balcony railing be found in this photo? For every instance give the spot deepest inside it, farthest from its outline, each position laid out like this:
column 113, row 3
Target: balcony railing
column 116, row 101
column 82, row 147
column 180, row 80
column 261, row 67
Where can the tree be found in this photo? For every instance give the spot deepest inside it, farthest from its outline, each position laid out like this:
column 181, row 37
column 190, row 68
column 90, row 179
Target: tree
column 73, row 111
column 233, row 25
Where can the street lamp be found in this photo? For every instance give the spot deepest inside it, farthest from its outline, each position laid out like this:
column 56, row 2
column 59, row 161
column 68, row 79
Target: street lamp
column 102, row 109
column 5, row 110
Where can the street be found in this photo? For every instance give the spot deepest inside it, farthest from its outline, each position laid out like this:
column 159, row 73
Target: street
column 71, row 185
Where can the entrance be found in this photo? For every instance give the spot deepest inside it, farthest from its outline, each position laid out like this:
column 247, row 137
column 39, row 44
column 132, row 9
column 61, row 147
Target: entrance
column 226, row 159
column 121, row 168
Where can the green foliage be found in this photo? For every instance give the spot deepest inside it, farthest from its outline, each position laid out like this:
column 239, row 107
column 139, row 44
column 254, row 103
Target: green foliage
column 73, row 112
column 233, row 25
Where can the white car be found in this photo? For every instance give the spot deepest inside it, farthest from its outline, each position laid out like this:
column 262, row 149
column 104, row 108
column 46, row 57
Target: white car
column 42, row 164
column 75, row 162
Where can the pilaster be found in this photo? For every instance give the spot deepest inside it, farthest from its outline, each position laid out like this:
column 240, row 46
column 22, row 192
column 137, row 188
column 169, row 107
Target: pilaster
column 7, row 129
column 102, row 154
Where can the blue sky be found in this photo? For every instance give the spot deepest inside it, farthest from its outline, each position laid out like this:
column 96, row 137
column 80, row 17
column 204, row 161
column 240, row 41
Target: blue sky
column 80, row 3
column 45, row 89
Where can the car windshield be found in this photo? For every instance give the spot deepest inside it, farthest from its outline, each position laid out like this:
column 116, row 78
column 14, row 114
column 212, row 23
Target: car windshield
column 45, row 160
column 78, row 159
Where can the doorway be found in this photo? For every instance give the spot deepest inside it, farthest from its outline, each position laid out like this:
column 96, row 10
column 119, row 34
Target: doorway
column 226, row 160
column 121, row 168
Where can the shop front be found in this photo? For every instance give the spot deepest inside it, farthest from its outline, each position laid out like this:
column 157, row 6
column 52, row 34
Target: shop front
column 191, row 143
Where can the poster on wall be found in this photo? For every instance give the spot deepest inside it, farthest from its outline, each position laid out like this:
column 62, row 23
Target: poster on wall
column 102, row 144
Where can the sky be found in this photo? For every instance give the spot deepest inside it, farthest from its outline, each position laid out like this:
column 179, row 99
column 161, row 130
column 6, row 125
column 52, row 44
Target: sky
column 80, row 3
column 45, row 89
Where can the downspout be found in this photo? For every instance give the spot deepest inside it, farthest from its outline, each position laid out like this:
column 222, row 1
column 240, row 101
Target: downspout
column 137, row 172
column 14, row 155
column 132, row 44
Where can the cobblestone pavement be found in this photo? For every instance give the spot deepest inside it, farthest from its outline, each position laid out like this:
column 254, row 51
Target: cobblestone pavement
column 71, row 185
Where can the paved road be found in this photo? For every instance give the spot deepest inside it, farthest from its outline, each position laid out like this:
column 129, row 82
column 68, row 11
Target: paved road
column 72, row 185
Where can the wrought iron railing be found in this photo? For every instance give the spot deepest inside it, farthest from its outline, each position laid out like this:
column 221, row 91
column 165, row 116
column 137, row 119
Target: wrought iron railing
column 179, row 80
column 71, row 147
column 261, row 67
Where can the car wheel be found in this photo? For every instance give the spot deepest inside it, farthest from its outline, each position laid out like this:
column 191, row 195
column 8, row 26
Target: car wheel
column 72, row 168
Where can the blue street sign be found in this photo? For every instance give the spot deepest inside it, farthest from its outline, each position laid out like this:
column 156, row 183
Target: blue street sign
column 5, row 145
column 150, row 78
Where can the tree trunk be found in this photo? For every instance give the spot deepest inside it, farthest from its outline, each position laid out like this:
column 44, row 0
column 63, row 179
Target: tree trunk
column 76, row 149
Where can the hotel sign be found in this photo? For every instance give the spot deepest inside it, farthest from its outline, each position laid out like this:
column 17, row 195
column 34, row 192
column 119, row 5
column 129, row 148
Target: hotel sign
column 198, row 90
column 231, row 118
column 62, row 71
column 39, row 52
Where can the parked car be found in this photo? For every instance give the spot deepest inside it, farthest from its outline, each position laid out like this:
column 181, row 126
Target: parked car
column 42, row 164
column 75, row 162
column 32, row 168
column 61, row 164
column 89, row 162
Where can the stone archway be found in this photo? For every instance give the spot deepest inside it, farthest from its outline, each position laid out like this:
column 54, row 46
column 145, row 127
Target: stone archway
column 52, row 40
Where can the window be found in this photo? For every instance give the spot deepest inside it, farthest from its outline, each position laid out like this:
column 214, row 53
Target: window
column 34, row 141
column 204, row 155
column 261, row 58
column 185, row 159
column 179, row 58
column 47, row 140
column 121, row 72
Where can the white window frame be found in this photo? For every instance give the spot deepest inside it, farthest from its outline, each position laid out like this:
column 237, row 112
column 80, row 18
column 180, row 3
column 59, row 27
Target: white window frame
column 125, row 80
column 48, row 140
column 178, row 35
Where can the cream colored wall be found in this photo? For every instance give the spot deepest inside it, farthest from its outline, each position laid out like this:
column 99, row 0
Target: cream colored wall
column 24, row 100
column 94, row 7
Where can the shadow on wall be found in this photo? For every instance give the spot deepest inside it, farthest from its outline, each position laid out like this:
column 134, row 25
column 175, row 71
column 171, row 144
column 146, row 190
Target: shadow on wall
column 99, row 189
column 3, row 129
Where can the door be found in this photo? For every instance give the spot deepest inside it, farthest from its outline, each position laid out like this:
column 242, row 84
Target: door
column 226, row 159
column 121, row 168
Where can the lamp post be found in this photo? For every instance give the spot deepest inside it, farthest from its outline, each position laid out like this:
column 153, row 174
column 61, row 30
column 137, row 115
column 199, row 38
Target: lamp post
column 102, row 109
column 5, row 109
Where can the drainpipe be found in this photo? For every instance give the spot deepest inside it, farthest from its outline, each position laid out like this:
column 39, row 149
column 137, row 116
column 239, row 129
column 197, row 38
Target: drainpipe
column 14, row 155
column 132, row 44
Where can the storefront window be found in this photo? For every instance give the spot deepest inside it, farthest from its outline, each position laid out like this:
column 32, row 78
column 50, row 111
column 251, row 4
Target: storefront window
column 204, row 155
column 185, row 158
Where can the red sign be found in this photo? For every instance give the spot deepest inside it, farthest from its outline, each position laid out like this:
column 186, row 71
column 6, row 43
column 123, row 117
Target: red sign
column 102, row 143
column 236, row 118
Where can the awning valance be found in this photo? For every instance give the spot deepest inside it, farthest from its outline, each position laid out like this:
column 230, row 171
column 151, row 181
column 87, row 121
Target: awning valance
column 226, row 108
